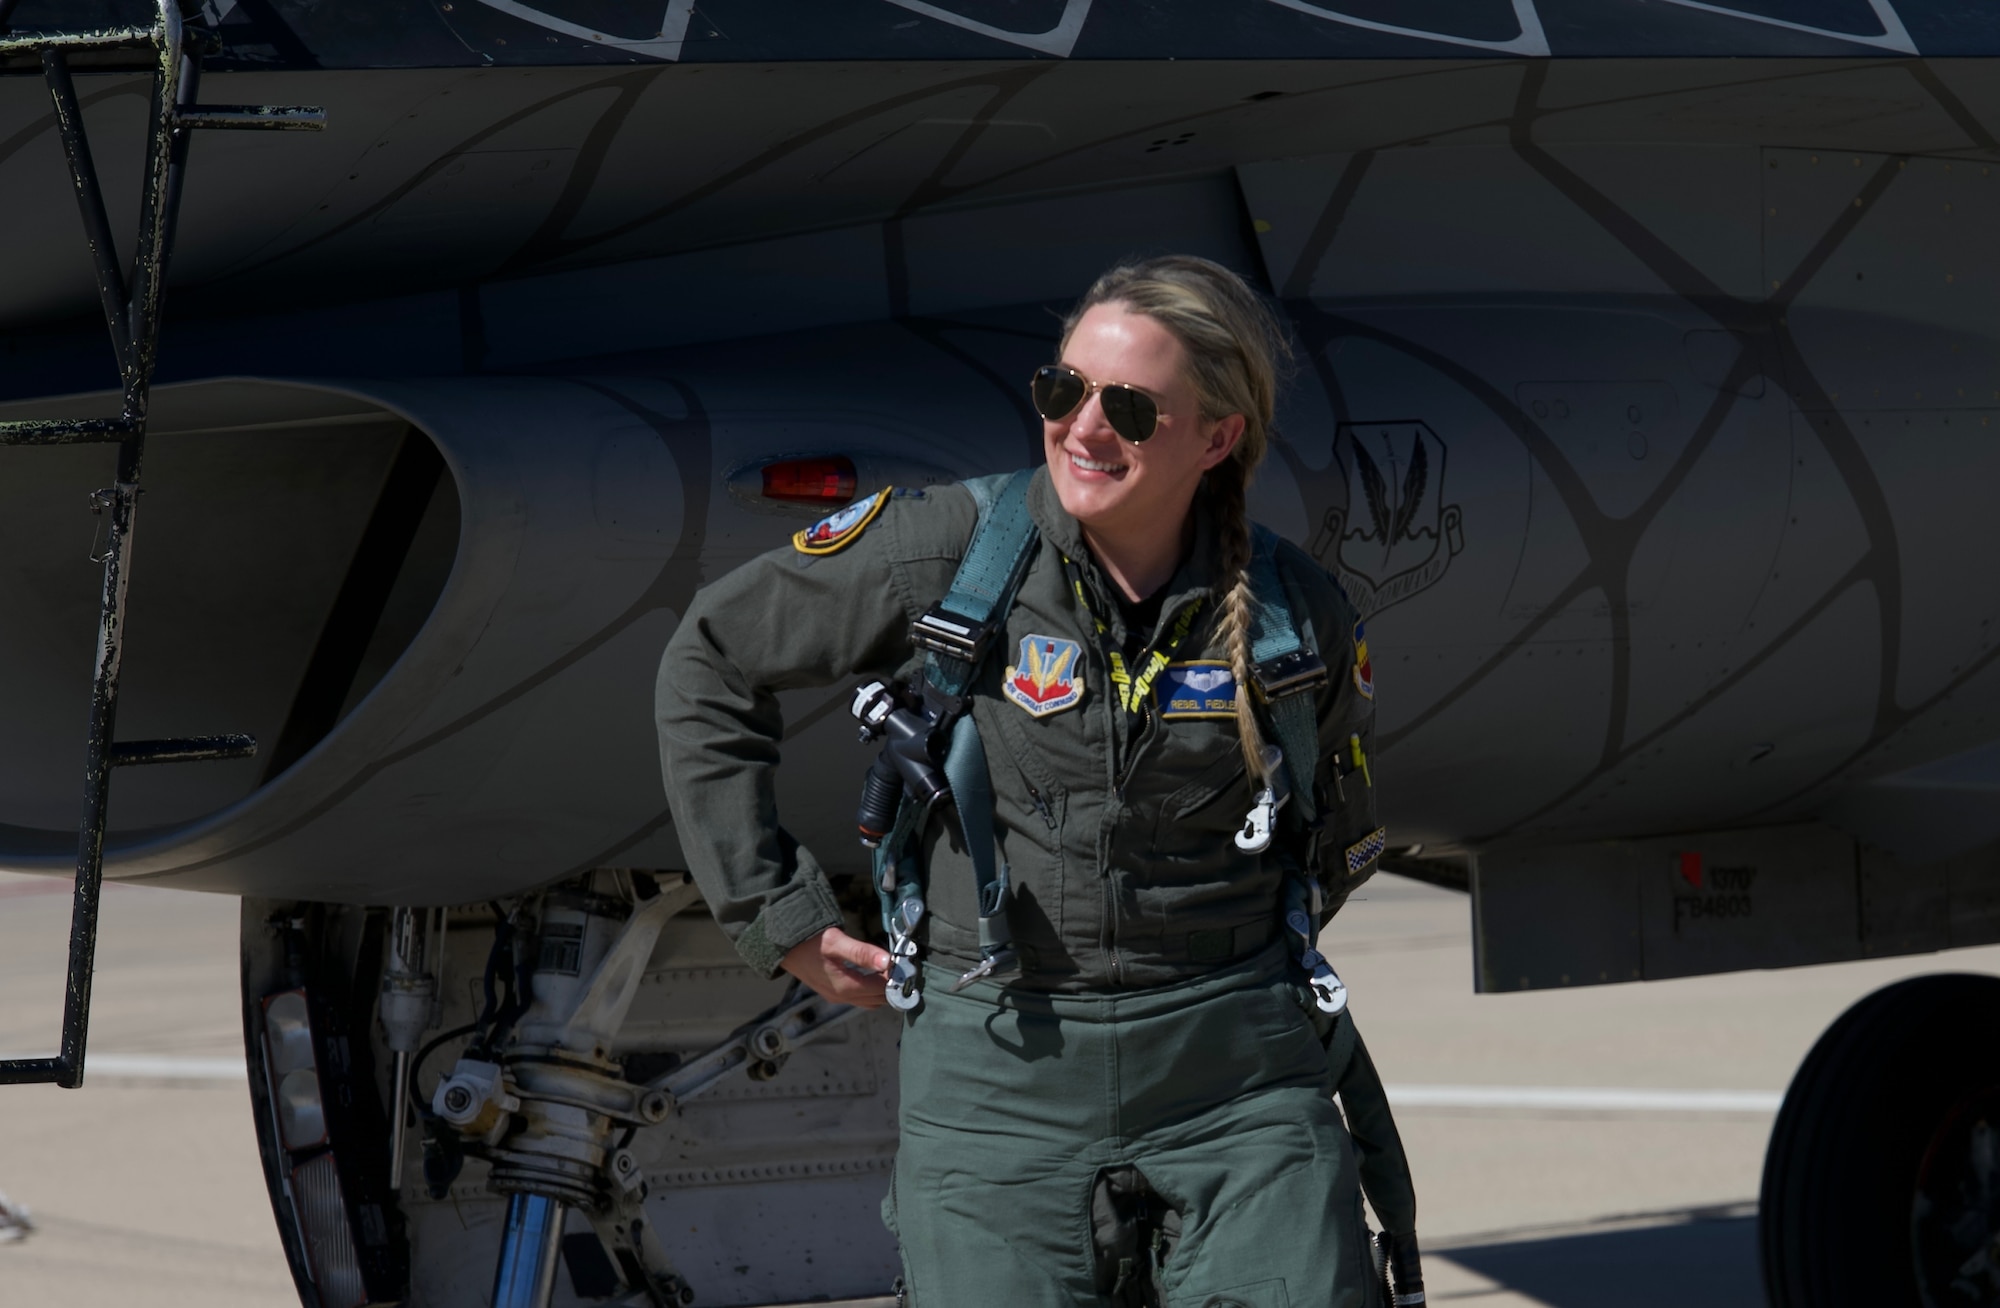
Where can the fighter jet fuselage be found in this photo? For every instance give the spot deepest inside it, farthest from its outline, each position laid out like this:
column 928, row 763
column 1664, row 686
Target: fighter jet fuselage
column 1645, row 366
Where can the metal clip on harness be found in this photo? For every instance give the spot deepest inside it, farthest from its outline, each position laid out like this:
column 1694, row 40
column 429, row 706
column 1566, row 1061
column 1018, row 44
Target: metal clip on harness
column 941, row 631
column 904, row 971
column 1262, row 820
column 1294, row 673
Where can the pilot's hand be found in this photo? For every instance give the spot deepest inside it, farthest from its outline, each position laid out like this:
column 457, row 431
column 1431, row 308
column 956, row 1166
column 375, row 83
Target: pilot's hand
column 836, row 966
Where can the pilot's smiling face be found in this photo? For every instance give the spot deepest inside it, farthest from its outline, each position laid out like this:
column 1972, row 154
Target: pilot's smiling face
column 1110, row 485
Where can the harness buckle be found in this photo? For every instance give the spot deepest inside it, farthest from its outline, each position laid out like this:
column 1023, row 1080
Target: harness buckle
column 1289, row 674
column 941, row 631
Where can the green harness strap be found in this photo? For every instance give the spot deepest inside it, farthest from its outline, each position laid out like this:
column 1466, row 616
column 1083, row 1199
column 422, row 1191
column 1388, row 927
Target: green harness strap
column 956, row 635
column 1288, row 670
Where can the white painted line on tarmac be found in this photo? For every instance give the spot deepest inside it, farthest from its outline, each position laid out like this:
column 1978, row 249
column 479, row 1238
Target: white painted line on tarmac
column 1591, row 1099
column 155, row 1067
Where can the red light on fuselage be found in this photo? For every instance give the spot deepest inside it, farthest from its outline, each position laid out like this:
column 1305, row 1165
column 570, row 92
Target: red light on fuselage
column 810, row 481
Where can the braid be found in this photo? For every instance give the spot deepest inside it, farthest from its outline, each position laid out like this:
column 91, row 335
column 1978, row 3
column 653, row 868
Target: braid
column 1226, row 490
column 1236, row 348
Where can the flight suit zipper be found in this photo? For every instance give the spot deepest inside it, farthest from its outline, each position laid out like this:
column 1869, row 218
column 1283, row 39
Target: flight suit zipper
column 1140, row 739
column 1133, row 699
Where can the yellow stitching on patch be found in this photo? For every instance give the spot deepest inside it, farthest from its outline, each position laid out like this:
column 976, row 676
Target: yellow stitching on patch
column 1169, row 713
column 846, row 536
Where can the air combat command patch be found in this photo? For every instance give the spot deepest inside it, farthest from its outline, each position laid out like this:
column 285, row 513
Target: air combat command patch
column 1202, row 688
column 1047, row 679
column 837, row 531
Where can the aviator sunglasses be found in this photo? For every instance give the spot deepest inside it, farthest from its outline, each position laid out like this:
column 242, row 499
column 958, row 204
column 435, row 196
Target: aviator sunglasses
column 1059, row 391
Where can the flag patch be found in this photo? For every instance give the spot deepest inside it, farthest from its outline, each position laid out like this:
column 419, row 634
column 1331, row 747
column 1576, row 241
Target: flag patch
column 1366, row 850
column 837, row 531
column 1200, row 688
column 1364, row 674
column 1047, row 679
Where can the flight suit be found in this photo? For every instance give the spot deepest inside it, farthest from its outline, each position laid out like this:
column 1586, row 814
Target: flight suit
column 1157, row 1041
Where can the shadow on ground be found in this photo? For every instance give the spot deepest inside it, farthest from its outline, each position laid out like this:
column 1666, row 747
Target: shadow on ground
column 1706, row 1260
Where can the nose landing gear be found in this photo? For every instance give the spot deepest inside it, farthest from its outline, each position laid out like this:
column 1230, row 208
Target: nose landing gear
column 551, row 1110
column 544, row 1112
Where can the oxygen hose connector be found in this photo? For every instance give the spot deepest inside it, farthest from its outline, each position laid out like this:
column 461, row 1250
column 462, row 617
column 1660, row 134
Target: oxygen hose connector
column 909, row 762
column 1402, row 1268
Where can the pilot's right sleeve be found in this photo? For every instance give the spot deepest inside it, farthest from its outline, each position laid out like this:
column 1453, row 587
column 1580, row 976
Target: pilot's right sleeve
column 786, row 620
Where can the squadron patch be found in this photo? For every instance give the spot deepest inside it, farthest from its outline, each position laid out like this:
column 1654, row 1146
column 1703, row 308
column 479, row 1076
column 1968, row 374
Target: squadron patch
column 837, row 531
column 1047, row 679
column 1200, row 688
column 1366, row 850
column 1364, row 674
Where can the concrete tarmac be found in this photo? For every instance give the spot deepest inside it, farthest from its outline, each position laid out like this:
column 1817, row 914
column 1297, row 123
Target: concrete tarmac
column 144, row 1192
column 1590, row 1148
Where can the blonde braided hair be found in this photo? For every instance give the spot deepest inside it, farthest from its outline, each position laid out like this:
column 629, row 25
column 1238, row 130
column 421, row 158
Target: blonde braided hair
column 1235, row 348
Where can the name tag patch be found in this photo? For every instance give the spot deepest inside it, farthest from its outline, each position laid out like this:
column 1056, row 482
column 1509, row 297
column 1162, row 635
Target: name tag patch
column 1047, row 679
column 1200, row 688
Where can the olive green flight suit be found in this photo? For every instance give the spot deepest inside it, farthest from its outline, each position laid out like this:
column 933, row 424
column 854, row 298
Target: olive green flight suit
column 1156, row 1052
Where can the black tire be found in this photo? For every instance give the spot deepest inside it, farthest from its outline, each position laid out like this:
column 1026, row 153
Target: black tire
column 1888, row 1097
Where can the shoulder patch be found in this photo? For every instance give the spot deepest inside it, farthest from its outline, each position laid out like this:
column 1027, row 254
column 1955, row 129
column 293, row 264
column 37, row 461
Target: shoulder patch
column 1048, row 679
column 1364, row 675
column 1199, row 688
column 837, row 531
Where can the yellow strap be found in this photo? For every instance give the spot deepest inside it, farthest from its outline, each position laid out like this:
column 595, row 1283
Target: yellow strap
column 1132, row 691
column 1076, row 584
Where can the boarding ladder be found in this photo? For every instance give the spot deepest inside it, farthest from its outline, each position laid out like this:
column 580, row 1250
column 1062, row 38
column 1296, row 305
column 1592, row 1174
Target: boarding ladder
column 172, row 53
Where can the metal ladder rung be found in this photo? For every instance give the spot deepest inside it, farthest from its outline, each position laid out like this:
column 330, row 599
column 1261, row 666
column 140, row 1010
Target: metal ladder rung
column 184, row 749
column 132, row 316
column 68, row 431
column 256, row 117
column 108, row 38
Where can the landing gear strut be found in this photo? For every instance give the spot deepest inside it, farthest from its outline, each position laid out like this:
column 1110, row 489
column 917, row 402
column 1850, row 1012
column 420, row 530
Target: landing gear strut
column 545, row 1102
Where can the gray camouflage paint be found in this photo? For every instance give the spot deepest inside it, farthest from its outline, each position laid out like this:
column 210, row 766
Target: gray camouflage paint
column 1753, row 622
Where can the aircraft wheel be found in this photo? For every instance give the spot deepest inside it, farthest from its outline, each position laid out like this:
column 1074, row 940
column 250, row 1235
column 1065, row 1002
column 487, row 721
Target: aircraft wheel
column 1882, row 1180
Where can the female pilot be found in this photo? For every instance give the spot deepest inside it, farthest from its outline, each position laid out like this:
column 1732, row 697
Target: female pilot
column 1136, row 1108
